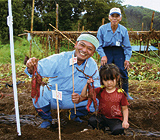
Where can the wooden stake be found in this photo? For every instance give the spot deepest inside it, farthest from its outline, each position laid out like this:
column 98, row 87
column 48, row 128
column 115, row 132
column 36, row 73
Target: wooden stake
column 56, row 43
column 103, row 19
column 152, row 20
column 73, row 80
column 32, row 16
column 82, row 28
column 142, row 26
column 59, row 126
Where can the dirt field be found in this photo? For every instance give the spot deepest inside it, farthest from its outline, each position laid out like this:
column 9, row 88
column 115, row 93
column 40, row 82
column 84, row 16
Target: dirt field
column 144, row 116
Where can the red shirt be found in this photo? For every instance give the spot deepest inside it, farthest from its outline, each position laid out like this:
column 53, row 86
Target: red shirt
column 110, row 103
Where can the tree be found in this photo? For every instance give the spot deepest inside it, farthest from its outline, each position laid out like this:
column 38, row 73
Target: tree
column 156, row 21
column 18, row 18
column 138, row 14
column 69, row 14
column 96, row 10
column 69, row 11
column 3, row 24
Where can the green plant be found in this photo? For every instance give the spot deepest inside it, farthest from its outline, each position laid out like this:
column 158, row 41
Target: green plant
column 143, row 71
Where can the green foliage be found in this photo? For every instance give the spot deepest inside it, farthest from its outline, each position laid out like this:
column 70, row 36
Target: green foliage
column 137, row 71
column 3, row 24
column 144, row 71
column 138, row 14
column 22, row 49
column 69, row 12
column 70, row 15
column 18, row 18
column 6, row 73
column 96, row 10
column 5, row 56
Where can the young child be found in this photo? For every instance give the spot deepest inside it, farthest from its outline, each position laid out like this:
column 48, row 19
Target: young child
column 112, row 100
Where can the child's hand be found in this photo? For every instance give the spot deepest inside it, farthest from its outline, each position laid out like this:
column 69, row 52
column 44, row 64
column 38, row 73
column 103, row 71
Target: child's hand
column 90, row 80
column 125, row 124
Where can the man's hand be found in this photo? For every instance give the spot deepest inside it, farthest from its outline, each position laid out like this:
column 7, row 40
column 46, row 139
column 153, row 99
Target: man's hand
column 31, row 63
column 126, row 64
column 90, row 80
column 103, row 60
column 75, row 98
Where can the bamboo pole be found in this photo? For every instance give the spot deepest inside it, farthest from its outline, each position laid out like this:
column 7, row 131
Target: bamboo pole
column 94, row 32
column 56, row 43
column 147, row 47
column 31, row 26
column 46, row 50
column 152, row 20
column 150, row 30
column 147, row 57
column 32, row 15
column 59, row 126
column 141, row 38
column 82, row 28
column 73, row 80
column 62, row 34
column 57, row 16
column 30, row 48
column 68, row 45
column 142, row 26
column 103, row 19
column 140, row 46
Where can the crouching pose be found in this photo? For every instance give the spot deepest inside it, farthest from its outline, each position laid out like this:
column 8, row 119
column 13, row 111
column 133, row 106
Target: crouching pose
column 60, row 65
column 111, row 100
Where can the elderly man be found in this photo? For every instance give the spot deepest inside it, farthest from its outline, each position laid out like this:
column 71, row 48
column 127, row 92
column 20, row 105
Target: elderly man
column 60, row 65
column 114, row 45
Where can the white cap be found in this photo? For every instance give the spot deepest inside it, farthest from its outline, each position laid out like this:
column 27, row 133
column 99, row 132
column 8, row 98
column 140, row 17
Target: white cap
column 115, row 11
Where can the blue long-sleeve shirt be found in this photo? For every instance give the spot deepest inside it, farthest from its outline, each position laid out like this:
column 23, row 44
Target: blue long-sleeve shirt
column 106, row 38
column 59, row 65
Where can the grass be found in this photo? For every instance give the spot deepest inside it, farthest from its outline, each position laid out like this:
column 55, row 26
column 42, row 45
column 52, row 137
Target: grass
column 22, row 48
column 138, row 70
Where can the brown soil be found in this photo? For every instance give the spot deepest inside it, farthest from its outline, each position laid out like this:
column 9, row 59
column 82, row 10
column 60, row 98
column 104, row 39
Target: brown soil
column 144, row 117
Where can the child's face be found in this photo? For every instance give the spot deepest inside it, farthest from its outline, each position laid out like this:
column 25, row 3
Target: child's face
column 110, row 84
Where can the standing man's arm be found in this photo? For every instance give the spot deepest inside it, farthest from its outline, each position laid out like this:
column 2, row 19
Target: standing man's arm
column 127, row 49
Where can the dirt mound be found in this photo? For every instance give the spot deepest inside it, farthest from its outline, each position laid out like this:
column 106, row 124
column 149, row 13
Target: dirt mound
column 144, row 117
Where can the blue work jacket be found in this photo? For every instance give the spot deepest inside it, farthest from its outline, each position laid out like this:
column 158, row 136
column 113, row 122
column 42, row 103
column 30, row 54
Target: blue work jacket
column 106, row 38
column 59, row 65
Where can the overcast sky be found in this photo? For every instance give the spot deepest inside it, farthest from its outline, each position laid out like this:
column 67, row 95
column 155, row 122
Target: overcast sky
column 151, row 4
